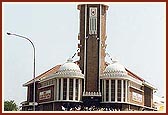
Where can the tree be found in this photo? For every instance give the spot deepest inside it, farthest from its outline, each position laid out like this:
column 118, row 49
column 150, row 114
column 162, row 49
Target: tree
column 10, row 106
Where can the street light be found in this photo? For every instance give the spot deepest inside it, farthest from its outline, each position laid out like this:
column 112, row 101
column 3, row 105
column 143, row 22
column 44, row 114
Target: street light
column 33, row 64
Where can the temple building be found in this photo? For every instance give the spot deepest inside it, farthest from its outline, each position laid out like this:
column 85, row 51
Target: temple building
column 90, row 81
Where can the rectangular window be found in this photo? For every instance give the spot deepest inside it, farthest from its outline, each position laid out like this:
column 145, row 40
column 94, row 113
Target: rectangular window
column 107, row 90
column 59, row 89
column 112, row 90
column 76, row 91
column 64, row 88
column 70, row 89
column 102, row 90
column 119, row 91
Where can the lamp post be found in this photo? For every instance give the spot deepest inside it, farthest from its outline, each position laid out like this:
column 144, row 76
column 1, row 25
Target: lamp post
column 33, row 64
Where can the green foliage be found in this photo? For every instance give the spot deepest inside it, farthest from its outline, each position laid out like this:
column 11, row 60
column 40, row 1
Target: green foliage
column 10, row 106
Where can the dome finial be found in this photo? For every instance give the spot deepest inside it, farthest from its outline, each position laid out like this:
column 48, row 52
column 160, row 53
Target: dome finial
column 69, row 60
column 115, row 60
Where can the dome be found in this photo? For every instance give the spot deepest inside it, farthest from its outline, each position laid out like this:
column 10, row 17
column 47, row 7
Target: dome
column 69, row 69
column 115, row 66
column 69, row 65
column 114, row 70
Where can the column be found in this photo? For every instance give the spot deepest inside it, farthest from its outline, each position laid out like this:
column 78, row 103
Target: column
column 74, row 88
column 57, row 89
column 53, row 107
column 61, row 94
column 85, row 47
column 67, row 96
column 109, row 91
column 122, row 90
column 79, row 86
column 126, row 91
column 116, row 90
column 104, row 90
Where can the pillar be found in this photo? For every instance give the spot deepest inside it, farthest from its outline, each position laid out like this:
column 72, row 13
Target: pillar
column 116, row 89
column 104, row 90
column 57, row 89
column 61, row 94
column 79, row 87
column 122, row 90
column 126, row 91
column 109, row 91
column 74, row 88
column 67, row 96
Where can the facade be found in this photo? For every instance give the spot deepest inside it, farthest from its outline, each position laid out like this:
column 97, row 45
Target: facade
column 159, row 103
column 90, row 81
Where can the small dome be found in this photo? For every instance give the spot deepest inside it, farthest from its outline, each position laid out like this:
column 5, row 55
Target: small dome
column 69, row 65
column 69, row 69
column 114, row 70
column 115, row 66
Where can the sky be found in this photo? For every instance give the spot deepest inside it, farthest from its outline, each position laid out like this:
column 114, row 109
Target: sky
column 136, row 35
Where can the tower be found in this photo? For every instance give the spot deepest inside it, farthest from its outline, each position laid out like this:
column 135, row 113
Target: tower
column 92, row 45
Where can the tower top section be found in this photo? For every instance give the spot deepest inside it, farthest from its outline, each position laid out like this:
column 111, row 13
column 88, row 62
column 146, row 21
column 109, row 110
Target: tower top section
column 79, row 6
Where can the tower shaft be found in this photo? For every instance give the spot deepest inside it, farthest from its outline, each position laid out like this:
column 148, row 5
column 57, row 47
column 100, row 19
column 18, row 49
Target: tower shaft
column 92, row 45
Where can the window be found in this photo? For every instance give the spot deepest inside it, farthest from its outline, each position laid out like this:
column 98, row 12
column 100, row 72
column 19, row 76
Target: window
column 64, row 88
column 70, row 89
column 59, row 89
column 51, row 82
column 76, row 91
column 119, row 91
column 112, row 90
column 107, row 90
column 102, row 90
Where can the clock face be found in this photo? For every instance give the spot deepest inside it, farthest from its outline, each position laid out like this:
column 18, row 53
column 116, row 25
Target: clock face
column 93, row 12
column 93, row 20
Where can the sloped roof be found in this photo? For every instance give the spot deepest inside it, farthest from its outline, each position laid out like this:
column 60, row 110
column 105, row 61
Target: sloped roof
column 47, row 73
column 55, row 69
column 134, row 75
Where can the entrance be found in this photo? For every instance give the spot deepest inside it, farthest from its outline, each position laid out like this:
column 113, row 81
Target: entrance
column 89, row 101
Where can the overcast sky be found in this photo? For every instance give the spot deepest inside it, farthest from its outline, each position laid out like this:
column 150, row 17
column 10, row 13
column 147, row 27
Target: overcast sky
column 135, row 36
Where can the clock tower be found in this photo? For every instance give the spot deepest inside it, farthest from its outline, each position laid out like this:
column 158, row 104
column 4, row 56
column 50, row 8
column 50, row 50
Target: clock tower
column 92, row 45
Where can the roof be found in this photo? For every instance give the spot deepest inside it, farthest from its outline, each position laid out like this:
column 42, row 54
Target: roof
column 47, row 73
column 134, row 75
column 55, row 69
column 130, row 73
